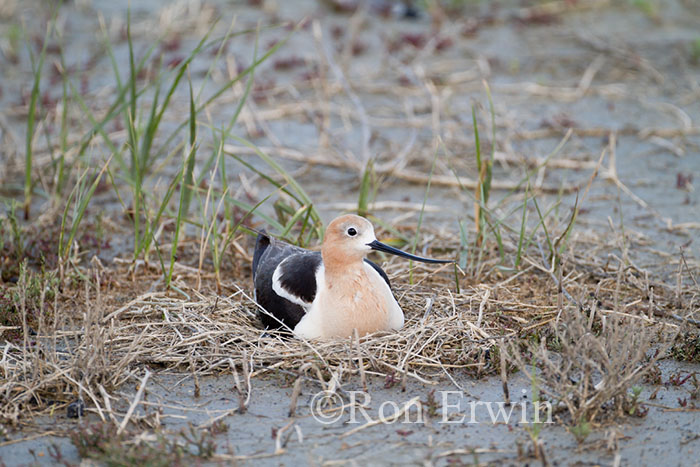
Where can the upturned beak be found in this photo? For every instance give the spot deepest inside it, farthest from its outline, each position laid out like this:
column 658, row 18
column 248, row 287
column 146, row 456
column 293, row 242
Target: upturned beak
column 379, row 246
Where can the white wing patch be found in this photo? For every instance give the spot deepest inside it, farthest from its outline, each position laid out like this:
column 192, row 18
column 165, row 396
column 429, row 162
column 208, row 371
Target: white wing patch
column 310, row 325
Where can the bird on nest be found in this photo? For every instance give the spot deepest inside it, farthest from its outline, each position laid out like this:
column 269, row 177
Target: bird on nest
column 329, row 293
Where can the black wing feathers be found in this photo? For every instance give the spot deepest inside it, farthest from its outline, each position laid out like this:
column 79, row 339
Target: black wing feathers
column 269, row 253
column 298, row 275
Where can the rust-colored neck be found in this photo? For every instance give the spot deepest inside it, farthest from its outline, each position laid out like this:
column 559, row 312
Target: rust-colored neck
column 339, row 261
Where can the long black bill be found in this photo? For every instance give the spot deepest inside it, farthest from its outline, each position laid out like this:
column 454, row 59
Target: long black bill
column 379, row 246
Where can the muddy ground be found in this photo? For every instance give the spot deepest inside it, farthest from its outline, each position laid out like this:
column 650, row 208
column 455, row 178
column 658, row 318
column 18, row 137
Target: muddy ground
column 398, row 86
column 668, row 432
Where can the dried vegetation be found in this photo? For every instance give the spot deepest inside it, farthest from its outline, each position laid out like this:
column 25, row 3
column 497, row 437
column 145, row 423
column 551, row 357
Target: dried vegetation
column 589, row 349
column 575, row 304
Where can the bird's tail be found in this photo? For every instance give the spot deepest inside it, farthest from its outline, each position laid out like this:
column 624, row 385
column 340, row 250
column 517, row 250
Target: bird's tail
column 261, row 244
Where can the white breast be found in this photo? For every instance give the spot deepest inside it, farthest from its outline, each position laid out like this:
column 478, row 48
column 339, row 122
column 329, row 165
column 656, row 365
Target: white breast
column 395, row 318
column 334, row 314
column 310, row 325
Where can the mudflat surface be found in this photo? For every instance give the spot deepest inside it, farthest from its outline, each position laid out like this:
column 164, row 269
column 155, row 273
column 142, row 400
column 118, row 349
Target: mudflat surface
column 398, row 91
column 446, row 424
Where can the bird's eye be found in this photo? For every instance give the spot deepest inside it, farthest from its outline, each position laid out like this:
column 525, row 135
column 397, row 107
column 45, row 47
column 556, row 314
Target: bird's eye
column 352, row 232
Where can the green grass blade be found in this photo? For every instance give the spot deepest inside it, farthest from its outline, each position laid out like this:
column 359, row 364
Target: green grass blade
column 82, row 206
column 521, row 236
column 544, row 226
column 152, row 224
column 227, row 85
column 242, row 205
column 564, row 238
column 63, row 131
column 365, row 189
column 188, row 180
column 248, row 213
column 32, row 116
column 267, row 178
column 477, row 144
column 420, row 216
column 179, row 219
column 246, row 92
column 61, row 253
column 489, row 163
column 299, row 193
column 154, row 121
column 294, row 219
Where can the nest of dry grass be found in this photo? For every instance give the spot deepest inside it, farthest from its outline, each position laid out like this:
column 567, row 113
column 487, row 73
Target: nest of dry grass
column 205, row 333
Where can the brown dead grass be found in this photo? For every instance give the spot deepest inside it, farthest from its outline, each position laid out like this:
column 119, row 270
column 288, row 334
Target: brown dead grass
column 90, row 353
